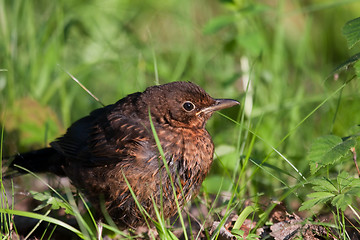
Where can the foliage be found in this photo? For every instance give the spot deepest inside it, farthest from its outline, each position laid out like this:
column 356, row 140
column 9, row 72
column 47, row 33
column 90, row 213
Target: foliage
column 53, row 201
column 351, row 31
column 329, row 150
column 341, row 191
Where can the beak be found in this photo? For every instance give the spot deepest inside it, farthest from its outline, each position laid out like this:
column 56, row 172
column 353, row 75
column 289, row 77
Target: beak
column 218, row 105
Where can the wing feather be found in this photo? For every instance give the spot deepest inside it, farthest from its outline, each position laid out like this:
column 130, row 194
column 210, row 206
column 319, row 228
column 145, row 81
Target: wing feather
column 104, row 137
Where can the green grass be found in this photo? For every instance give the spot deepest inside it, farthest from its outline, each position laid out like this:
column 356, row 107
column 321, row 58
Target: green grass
column 287, row 49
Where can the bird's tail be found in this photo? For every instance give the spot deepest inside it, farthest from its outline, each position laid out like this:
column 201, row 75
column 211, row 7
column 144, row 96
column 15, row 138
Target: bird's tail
column 38, row 161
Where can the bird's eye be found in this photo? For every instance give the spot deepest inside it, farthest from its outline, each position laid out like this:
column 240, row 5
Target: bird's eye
column 188, row 106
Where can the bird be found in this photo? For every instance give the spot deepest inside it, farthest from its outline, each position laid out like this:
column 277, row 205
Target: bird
column 151, row 146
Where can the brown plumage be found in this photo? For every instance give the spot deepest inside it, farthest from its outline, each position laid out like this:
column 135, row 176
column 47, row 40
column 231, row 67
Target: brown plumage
column 98, row 150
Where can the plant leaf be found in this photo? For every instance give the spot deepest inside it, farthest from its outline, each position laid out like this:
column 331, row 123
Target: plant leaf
column 317, row 197
column 48, row 200
column 237, row 232
column 320, row 195
column 351, row 31
column 308, row 204
column 354, row 191
column 355, row 183
column 323, row 185
column 328, row 150
column 344, row 180
column 342, row 201
column 243, row 215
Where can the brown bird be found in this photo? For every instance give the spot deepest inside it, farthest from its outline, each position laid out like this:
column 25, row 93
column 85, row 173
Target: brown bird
column 116, row 142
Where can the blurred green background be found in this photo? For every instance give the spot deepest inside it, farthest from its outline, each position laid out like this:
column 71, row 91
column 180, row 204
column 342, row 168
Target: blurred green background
column 286, row 48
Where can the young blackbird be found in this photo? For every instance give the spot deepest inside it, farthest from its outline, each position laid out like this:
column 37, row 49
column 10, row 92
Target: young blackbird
column 115, row 142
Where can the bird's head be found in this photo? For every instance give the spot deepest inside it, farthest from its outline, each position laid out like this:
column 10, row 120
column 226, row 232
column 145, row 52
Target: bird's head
column 182, row 104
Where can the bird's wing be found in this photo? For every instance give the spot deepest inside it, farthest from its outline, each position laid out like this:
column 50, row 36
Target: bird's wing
column 103, row 138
